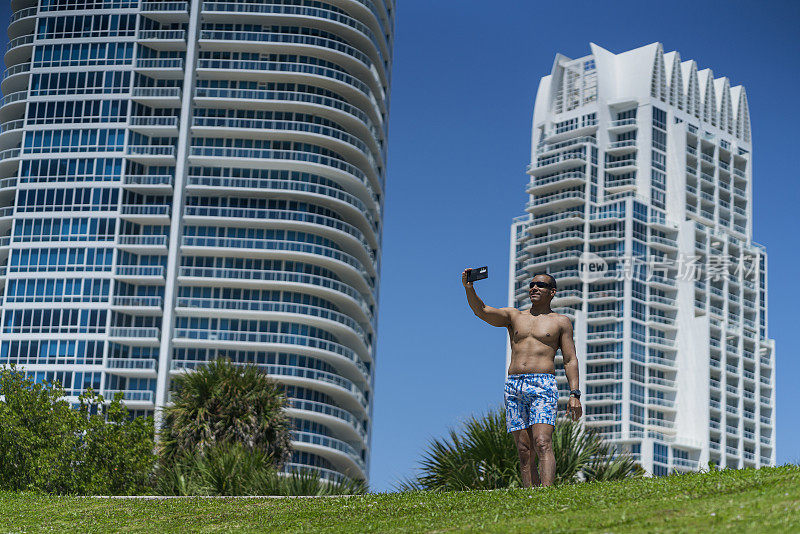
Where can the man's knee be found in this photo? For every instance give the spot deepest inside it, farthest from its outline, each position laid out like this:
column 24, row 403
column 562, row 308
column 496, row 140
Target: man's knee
column 543, row 444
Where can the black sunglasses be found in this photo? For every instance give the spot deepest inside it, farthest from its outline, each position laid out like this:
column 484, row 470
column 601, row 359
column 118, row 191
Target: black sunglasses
column 541, row 285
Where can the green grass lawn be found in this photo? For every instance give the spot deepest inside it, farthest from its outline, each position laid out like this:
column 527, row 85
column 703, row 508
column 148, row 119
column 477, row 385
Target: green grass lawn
column 752, row 501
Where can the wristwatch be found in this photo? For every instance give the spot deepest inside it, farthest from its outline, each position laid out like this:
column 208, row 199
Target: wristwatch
column 575, row 393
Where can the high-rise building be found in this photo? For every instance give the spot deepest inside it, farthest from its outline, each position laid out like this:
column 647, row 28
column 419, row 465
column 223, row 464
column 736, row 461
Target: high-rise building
column 182, row 181
column 641, row 208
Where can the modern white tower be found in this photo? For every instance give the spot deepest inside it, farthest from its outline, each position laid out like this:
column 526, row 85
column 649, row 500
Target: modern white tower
column 642, row 165
column 188, row 180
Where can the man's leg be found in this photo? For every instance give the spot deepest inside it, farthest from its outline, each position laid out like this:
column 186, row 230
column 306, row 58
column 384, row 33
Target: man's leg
column 527, row 462
column 535, row 480
column 542, row 439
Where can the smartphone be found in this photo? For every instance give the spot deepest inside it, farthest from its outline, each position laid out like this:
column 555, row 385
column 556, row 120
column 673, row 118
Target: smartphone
column 478, row 273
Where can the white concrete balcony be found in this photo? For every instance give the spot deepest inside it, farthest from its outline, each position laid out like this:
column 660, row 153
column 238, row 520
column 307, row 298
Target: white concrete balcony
column 606, row 336
column 604, row 357
column 552, row 258
column 166, row 12
column 603, row 316
column 662, row 343
column 334, row 168
column 557, row 201
column 621, row 166
column 15, row 78
column 265, row 42
column 663, row 243
column 155, row 126
column 154, row 155
column 160, row 68
column 558, row 162
column 330, row 137
column 8, row 184
column 566, row 218
column 139, row 244
column 607, row 215
column 133, row 367
column 664, row 364
column 597, row 378
column 661, row 404
column 660, row 383
column 544, row 184
column 617, row 148
column 11, row 134
column 592, row 419
column 335, row 353
column 660, row 424
column 266, row 218
column 131, row 398
column 157, row 96
column 342, row 324
column 341, row 293
column 148, row 184
column 22, row 22
column 662, row 282
column 602, row 398
column 622, row 125
column 138, row 305
column 570, row 237
column 548, row 148
column 19, row 50
column 663, row 303
column 605, row 295
column 333, row 417
column 146, row 213
column 271, row 248
column 354, row 30
column 172, row 40
column 12, row 106
column 617, row 185
column 255, row 70
column 330, row 448
column 707, row 158
column 342, row 112
column 134, row 335
column 140, row 274
column 662, row 322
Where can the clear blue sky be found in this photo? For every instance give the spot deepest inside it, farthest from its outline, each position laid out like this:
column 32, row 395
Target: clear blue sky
column 464, row 81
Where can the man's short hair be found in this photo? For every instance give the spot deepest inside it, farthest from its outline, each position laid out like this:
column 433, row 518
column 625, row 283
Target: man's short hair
column 550, row 276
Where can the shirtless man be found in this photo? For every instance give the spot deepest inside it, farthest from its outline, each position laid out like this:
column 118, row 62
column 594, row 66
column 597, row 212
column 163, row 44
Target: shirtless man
column 531, row 395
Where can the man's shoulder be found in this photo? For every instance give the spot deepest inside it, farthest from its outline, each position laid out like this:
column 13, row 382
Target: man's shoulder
column 563, row 320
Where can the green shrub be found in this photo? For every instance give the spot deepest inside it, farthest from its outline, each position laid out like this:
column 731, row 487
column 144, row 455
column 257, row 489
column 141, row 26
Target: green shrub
column 484, row 456
column 47, row 446
column 233, row 469
column 226, row 403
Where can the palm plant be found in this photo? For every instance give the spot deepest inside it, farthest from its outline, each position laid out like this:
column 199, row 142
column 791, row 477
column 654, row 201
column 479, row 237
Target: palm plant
column 484, row 456
column 226, row 403
column 226, row 469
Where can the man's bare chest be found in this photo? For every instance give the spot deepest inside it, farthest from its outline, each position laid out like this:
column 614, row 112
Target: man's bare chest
column 543, row 329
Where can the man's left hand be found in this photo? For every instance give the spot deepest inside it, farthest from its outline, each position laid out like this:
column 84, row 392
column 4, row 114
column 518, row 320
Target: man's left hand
column 574, row 408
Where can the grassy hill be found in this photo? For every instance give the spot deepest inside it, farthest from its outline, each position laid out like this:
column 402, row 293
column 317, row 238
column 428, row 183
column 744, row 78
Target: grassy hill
column 765, row 500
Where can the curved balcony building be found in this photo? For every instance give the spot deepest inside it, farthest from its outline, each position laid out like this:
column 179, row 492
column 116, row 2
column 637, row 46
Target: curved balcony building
column 182, row 181
column 641, row 168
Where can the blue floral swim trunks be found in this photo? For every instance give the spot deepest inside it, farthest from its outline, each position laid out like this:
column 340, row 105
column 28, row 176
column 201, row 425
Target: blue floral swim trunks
column 530, row 399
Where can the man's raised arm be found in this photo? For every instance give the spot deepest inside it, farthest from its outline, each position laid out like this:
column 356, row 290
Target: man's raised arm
column 493, row 316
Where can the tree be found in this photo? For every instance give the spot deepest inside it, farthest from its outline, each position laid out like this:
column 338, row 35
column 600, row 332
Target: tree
column 48, row 446
column 484, row 456
column 224, row 403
